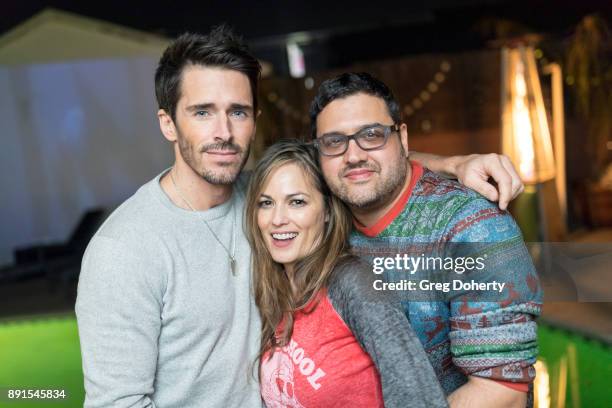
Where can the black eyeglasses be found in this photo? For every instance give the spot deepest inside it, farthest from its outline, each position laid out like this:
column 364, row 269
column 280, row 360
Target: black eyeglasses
column 370, row 138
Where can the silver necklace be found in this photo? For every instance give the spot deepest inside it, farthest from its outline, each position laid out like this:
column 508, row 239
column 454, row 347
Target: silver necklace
column 232, row 255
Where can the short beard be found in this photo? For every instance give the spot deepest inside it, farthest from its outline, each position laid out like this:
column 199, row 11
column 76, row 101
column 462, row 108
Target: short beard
column 213, row 177
column 380, row 194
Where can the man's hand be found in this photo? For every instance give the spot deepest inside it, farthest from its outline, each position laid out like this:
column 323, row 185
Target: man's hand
column 474, row 170
column 481, row 392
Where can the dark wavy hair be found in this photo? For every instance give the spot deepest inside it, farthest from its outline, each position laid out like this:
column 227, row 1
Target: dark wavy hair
column 349, row 84
column 220, row 48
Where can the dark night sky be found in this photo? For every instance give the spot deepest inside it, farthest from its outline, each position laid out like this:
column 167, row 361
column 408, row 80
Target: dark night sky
column 256, row 19
column 343, row 31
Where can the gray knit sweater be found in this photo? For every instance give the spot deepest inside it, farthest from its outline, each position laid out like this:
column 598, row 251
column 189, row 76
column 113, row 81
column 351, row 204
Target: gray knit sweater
column 162, row 322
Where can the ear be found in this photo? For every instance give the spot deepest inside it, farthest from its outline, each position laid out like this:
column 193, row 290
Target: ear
column 404, row 137
column 166, row 125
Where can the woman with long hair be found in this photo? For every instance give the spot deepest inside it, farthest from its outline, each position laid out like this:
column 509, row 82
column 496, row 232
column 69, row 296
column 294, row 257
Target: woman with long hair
column 328, row 338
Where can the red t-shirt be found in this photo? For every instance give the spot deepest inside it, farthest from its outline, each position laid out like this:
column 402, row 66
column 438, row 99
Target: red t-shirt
column 322, row 366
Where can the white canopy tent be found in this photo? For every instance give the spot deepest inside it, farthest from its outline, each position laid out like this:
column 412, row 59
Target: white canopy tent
column 79, row 126
column 58, row 36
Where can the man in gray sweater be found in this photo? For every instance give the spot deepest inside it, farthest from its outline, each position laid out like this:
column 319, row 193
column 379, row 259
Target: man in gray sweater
column 164, row 308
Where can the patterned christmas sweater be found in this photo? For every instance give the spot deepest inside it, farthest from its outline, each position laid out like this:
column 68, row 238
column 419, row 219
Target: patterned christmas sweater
column 463, row 332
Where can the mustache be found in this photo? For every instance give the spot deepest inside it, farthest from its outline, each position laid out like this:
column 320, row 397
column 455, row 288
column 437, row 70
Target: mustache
column 361, row 165
column 223, row 146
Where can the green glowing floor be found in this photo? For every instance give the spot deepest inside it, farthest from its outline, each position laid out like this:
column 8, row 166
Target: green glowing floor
column 41, row 354
column 44, row 354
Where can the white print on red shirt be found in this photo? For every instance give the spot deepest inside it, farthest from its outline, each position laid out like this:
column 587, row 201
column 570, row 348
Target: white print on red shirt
column 277, row 383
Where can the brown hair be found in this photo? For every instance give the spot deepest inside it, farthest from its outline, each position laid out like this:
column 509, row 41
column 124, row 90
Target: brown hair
column 220, row 48
column 273, row 292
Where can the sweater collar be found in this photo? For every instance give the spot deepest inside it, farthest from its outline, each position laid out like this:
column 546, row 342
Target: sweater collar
column 384, row 221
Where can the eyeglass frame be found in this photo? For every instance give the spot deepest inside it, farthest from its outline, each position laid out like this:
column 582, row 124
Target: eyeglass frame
column 388, row 129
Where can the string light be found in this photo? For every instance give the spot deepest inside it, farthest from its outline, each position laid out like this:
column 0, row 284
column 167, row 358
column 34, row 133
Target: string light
column 538, row 53
column 417, row 103
column 427, row 93
column 282, row 105
column 426, row 126
column 309, row 83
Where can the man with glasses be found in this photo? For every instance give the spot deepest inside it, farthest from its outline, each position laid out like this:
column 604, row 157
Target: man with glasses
column 483, row 351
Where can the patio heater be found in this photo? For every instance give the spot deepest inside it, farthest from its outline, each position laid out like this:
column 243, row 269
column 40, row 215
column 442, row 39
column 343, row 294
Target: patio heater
column 526, row 136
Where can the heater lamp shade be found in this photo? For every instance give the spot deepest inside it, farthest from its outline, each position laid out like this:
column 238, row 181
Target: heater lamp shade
column 525, row 132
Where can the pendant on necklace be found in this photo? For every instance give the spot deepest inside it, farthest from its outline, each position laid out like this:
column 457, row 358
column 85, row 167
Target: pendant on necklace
column 233, row 266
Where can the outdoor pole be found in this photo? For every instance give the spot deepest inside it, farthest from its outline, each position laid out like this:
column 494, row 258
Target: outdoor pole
column 558, row 116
